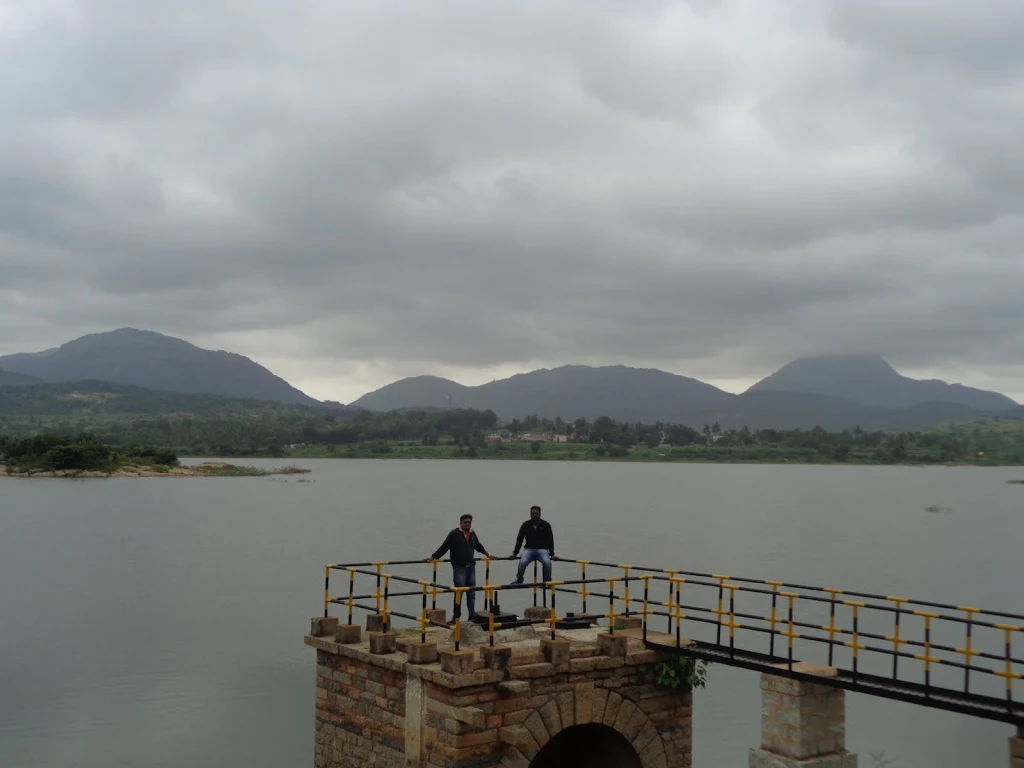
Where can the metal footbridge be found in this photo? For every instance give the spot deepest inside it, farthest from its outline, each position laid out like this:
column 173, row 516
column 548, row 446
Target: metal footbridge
column 953, row 657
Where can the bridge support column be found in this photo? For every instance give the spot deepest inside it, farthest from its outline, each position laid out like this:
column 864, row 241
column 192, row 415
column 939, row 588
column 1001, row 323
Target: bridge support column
column 803, row 724
column 1017, row 749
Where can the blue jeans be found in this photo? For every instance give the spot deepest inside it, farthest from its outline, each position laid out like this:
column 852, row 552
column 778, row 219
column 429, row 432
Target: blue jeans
column 465, row 576
column 529, row 556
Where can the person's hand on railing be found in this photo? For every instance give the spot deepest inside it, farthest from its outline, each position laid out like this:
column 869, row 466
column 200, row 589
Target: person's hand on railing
column 512, row 557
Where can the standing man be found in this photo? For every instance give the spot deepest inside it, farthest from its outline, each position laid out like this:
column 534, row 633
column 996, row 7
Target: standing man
column 540, row 544
column 462, row 542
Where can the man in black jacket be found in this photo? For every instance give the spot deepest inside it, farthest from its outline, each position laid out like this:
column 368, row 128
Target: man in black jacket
column 540, row 544
column 462, row 542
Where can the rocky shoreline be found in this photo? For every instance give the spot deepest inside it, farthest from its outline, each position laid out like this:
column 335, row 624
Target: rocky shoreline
column 206, row 469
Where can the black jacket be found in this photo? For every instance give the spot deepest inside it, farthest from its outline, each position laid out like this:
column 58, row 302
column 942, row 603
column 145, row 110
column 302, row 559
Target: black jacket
column 538, row 535
column 461, row 550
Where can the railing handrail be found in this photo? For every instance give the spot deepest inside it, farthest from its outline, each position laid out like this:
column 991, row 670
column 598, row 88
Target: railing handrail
column 883, row 599
column 844, row 631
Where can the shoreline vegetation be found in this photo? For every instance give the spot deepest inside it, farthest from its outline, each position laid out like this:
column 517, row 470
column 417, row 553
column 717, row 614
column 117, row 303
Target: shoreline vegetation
column 636, row 454
column 83, row 456
column 129, row 444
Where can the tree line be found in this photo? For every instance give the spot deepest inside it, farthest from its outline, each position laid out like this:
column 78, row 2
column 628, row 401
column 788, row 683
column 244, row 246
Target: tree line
column 85, row 451
column 273, row 431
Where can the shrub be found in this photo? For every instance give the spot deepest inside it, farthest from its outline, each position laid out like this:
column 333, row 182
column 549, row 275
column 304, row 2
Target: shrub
column 681, row 672
column 157, row 456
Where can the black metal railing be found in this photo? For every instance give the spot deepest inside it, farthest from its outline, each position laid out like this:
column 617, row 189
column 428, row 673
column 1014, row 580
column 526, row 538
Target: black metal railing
column 949, row 656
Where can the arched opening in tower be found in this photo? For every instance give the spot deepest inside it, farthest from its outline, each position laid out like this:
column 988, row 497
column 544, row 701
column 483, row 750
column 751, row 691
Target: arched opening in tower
column 593, row 746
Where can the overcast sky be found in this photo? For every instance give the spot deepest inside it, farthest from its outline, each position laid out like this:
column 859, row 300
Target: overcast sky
column 350, row 192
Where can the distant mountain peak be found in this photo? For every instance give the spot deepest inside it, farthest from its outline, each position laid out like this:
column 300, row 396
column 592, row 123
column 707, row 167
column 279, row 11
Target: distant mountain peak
column 154, row 360
column 872, row 380
column 864, row 360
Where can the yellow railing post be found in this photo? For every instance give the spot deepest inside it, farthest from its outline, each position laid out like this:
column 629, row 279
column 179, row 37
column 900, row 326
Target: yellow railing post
column 927, row 657
column 855, row 644
column 967, row 651
column 423, row 615
column 491, row 624
column 351, row 592
column 490, row 628
column 647, row 583
column 387, row 606
column 458, row 615
column 487, row 583
column 671, row 575
column 719, row 612
column 831, row 628
column 896, row 640
column 378, row 595
column 553, row 585
column 791, row 596
column 611, row 604
column 625, row 569
column 679, row 610
column 433, row 599
column 583, row 577
column 772, row 620
column 327, row 588
column 1008, row 672
column 733, row 624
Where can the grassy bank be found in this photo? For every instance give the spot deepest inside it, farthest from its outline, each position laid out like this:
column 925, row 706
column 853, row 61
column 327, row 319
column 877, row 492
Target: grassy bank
column 524, row 451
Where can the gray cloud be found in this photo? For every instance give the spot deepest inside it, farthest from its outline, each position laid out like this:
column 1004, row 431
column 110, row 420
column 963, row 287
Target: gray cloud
column 350, row 192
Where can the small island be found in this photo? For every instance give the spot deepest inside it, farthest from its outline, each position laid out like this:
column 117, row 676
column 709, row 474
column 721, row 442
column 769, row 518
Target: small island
column 84, row 456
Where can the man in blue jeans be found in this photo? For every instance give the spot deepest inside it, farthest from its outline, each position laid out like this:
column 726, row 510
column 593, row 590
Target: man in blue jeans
column 540, row 544
column 462, row 542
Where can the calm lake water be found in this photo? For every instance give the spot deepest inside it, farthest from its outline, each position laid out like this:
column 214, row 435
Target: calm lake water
column 159, row 622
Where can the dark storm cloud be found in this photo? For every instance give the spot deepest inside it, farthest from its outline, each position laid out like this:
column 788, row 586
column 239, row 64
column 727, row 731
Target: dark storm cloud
column 708, row 187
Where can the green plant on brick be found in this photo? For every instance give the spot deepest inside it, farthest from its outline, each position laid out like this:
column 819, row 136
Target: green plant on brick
column 681, row 672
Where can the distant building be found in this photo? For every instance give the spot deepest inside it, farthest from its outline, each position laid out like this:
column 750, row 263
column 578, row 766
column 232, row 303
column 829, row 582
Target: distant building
column 544, row 437
column 494, row 439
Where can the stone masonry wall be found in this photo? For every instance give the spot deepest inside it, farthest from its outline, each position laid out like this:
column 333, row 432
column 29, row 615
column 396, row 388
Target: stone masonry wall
column 499, row 710
column 540, row 700
column 360, row 714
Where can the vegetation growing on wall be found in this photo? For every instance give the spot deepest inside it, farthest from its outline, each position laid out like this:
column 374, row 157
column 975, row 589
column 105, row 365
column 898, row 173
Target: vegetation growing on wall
column 681, row 672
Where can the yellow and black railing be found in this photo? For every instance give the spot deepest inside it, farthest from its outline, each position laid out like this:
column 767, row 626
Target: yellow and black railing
column 948, row 656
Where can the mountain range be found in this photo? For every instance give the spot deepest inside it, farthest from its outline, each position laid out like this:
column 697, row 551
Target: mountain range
column 12, row 379
column 834, row 392
column 815, row 394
